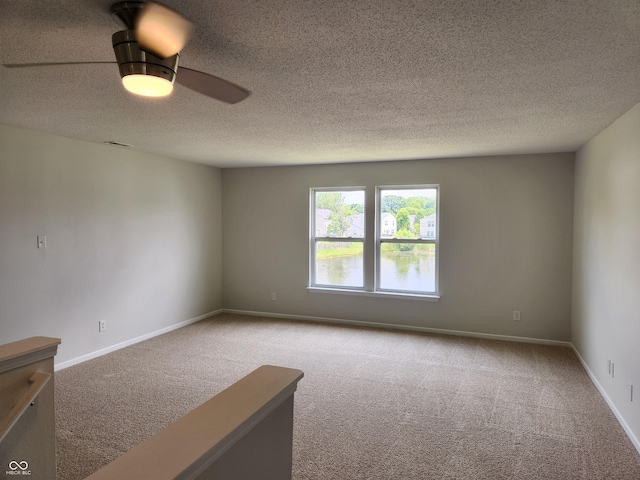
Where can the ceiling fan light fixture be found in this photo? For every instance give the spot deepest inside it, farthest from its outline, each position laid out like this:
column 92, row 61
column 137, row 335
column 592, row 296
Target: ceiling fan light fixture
column 147, row 85
column 142, row 72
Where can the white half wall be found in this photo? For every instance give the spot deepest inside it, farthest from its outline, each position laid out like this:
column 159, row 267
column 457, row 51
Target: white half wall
column 606, row 271
column 132, row 239
column 505, row 245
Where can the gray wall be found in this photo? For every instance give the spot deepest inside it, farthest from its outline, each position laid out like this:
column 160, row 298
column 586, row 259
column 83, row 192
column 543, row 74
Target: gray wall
column 133, row 239
column 606, row 275
column 506, row 240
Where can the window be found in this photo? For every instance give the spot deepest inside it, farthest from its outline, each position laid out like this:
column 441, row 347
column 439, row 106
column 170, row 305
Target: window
column 337, row 243
column 406, row 257
column 405, row 240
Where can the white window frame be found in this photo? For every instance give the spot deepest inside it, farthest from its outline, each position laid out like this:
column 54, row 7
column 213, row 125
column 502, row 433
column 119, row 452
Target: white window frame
column 371, row 271
column 381, row 239
column 313, row 239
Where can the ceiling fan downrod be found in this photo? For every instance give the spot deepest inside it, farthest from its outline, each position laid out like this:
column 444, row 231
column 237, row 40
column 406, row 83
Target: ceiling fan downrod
column 126, row 14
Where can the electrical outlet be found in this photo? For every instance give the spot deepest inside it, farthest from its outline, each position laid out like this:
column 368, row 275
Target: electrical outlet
column 102, row 325
column 516, row 315
column 273, row 296
column 630, row 392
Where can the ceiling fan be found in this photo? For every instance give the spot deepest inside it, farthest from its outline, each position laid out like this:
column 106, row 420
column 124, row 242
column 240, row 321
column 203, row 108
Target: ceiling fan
column 148, row 50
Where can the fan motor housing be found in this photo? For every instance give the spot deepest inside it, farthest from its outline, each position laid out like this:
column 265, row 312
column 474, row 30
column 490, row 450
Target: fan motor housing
column 134, row 60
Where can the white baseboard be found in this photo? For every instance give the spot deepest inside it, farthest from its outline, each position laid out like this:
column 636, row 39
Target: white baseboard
column 118, row 346
column 411, row 328
column 621, row 420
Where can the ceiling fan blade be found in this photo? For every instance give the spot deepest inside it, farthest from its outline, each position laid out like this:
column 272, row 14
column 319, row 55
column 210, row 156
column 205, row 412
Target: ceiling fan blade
column 211, row 86
column 162, row 30
column 50, row 64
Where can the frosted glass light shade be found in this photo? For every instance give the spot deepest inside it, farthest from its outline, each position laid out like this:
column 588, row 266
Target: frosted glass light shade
column 147, row 85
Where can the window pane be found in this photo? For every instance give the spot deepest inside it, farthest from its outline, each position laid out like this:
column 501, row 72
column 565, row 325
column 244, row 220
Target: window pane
column 339, row 264
column 339, row 214
column 408, row 213
column 408, row 267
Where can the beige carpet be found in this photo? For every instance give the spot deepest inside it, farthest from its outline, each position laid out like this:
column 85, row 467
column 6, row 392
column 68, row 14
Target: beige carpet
column 373, row 404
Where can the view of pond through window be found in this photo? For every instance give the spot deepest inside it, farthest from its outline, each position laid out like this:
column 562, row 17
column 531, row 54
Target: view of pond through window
column 339, row 221
column 399, row 272
column 407, row 234
column 405, row 239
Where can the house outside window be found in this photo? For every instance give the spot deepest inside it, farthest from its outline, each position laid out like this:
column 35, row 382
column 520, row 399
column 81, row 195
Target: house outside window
column 428, row 226
column 389, row 221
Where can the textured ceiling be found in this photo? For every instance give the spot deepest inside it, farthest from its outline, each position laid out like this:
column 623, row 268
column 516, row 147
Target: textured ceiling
column 336, row 81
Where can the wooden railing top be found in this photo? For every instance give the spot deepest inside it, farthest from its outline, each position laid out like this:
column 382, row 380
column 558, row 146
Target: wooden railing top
column 188, row 446
column 26, row 351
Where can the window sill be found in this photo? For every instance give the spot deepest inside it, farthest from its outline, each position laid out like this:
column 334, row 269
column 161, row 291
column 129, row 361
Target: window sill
column 406, row 296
